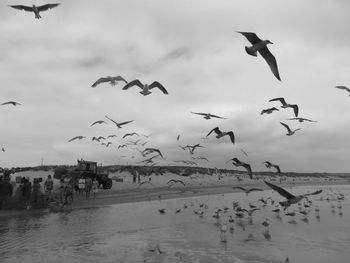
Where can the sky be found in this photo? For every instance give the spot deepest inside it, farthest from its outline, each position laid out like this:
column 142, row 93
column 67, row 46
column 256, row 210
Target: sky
column 192, row 48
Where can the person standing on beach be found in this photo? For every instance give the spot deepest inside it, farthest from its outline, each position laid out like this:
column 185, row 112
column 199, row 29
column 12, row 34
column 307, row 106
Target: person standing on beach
column 94, row 187
column 62, row 188
column 88, row 186
column 26, row 191
column 81, row 184
column 48, row 186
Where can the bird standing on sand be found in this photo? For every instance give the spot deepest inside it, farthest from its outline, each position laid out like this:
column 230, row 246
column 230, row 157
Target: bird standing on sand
column 119, row 125
column 291, row 199
column 290, row 132
column 222, row 134
column 261, row 47
column 208, row 116
column 343, row 88
column 35, row 9
column 287, row 105
column 145, row 87
column 14, row 103
column 111, row 80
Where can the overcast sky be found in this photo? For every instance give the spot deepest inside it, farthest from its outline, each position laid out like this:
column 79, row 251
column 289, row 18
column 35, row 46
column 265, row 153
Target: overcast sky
column 191, row 47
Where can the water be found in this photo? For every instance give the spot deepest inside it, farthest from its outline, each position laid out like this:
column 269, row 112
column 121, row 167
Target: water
column 131, row 232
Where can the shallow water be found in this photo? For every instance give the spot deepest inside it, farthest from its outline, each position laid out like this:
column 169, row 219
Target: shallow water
column 130, row 232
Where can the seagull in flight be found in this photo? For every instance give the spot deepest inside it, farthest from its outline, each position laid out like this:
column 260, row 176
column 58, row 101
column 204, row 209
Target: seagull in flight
column 222, row 134
column 97, row 122
column 130, row 134
column 151, row 150
column 98, row 138
column 343, row 88
column 287, row 105
column 247, row 166
column 208, row 116
column 14, row 103
column 246, row 190
column 290, row 132
column 301, row 119
column 269, row 165
column 35, row 9
column 145, row 87
column 76, row 138
column 119, row 125
column 291, row 199
column 260, row 46
column 269, row 110
column 111, row 80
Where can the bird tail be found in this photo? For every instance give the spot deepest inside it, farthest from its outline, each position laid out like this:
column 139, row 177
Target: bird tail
column 250, row 51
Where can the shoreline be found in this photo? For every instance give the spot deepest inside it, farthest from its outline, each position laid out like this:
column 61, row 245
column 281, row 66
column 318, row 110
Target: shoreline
column 111, row 197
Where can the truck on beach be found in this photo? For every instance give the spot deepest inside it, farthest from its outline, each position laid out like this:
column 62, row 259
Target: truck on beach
column 84, row 169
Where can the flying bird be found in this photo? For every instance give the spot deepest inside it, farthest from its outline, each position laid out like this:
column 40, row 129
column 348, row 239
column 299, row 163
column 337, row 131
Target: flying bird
column 268, row 111
column 269, row 165
column 98, row 138
column 208, row 116
column 130, row 134
column 222, row 134
column 35, row 9
column 260, row 46
column 14, row 103
column 246, row 190
column 106, row 144
column 111, row 136
column 300, row 120
column 145, row 87
column 173, row 181
column 76, row 138
column 287, row 105
column 290, row 132
column 191, row 148
column 119, row 125
column 97, row 122
column 151, row 150
column 343, row 88
column 111, row 80
column 291, row 199
column 247, row 166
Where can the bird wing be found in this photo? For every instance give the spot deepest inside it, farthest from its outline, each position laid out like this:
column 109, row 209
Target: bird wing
column 119, row 78
column 279, row 99
column 126, row 134
column 232, row 136
column 199, row 113
column 111, row 120
column 100, row 80
column 277, row 167
column 171, row 181
column 286, row 126
column 22, row 7
column 75, row 138
column 342, row 87
column 125, row 122
column 181, row 182
column 97, row 122
column 255, row 189
column 249, row 169
column 216, row 116
column 156, row 84
column 296, row 109
column 263, row 111
column 314, row 193
column 46, row 7
column 216, row 130
column 252, row 37
column 133, row 83
column 270, row 60
column 280, row 190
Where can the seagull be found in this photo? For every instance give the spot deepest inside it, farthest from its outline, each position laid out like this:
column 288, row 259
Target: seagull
column 130, row 134
column 246, row 190
column 111, row 80
column 237, row 163
column 287, row 105
column 221, row 134
column 111, row 136
column 343, row 88
column 77, row 138
column 173, row 181
column 269, row 110
column 300, row 120
column 151, row 150
column 269, row 165
column 192, row 148
column 14, row 103
column 145, row 87
column 98, row 138
column 35, row 9
column 119, row 125
column 97, row 122
column 290, row 132
column 291, row 199
column 261, row 47
column 122, row 146
column 208, row 116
